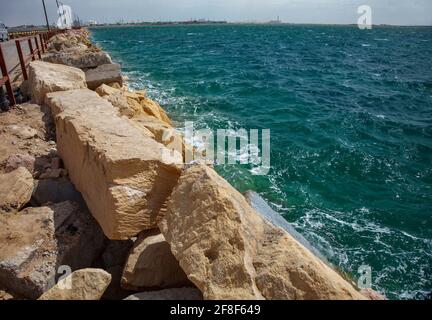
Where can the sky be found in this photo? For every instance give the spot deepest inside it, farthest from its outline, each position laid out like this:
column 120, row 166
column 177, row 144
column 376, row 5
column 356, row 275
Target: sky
column 396, row 12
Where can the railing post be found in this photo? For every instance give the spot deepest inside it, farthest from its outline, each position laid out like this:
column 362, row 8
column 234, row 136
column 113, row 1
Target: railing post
column 8, row 84
column 31, row 49
column 42, row 42
column 37, row 47
column 21, row 59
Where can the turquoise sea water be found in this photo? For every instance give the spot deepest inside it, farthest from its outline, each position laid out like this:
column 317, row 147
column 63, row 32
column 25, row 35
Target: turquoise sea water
column 350, row 114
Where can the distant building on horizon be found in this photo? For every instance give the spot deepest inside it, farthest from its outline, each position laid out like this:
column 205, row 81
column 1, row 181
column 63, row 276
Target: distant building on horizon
column 278, row 21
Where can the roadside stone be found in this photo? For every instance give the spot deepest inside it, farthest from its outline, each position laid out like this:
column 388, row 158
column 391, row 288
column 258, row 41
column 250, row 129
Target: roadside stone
column 20, row 160
column 230, row 252
column 4, row 296
column 79, row 59
column 152, row 108
column 151, row 264
column 168, row 294
column 53, row 174
column 372, row 294
column 36, row 241
column 16, row 188
column 85, row 284
column 104, row 74
column 124, row 186
column 47, row 77
column 22, row 132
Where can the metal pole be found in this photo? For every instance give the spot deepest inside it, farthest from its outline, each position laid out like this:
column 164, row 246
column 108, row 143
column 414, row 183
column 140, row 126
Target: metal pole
column 21, row 58
column 46, row 16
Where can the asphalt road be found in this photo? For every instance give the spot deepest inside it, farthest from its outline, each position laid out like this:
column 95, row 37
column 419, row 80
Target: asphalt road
column 11, row 55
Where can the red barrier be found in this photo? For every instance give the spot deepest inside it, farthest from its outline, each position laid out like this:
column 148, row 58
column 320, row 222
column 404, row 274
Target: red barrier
column 37, row 45
column 5, row 80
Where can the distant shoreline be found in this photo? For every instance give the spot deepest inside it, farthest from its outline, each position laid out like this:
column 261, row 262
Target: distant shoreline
column 156, row 24
column 163, row 24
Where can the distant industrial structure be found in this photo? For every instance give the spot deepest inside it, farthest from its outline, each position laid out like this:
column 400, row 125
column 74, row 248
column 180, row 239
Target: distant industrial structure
column 94, row 23
column 278, row 21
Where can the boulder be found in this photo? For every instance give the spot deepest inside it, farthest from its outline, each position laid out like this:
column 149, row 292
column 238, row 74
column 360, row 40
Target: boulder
column 22, row 132
column 84, row 284
column 103, row 74
column 47, row 77
column 53, row 174
column 152, row 108
column 162, row 132
column 151, row 264
column 4, row 296
column 65, row 43
column 117, row 99
column 372, row 294
column 168, row 294
column 16, row 188
column 123, row 174
column 230, row 252
column 79, row 59
column 106, row 90
column 20, row 160
column 36, row 241
column 55, row 191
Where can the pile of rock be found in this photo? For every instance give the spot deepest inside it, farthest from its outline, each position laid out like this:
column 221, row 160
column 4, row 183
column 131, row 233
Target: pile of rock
column 172, row 231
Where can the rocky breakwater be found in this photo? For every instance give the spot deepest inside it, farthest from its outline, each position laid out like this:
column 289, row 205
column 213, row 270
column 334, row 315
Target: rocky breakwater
column 175, row 231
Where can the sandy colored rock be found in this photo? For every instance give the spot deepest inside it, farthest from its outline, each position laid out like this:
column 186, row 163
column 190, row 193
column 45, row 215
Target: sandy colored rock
column 104, row 74
column 168, row 294
column 25, row 115
column 66, row 43
column 79, row 59
column 118, row 98
column 229, row 252
column 151, row 264
column 124, row 175
column 20, row 160
column 16, row 189
column 22, row 132
column 85, row 284
column 36, row 241
column 47, row 77
column 372, row 294
column 152, row 108
column 162, row 133
column 106, row 90
column 119, row 101
column 5, row 296
column 53, row 174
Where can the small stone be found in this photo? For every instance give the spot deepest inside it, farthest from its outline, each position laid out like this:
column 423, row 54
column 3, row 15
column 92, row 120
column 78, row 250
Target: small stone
column 53, row 174
column 151, row 264
column 22, row 132
column 36, row 241
column 20, row 160
column 85, row 284
column 5, row 296
column 372, row 294
column 16, row 188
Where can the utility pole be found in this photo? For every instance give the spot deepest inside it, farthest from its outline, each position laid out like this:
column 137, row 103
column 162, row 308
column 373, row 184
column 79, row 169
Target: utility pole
column 46, row 16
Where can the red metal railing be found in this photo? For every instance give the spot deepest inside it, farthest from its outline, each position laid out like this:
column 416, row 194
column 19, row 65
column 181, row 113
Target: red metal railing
column 37, row 45
column 35, row 52
column 5, row 80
